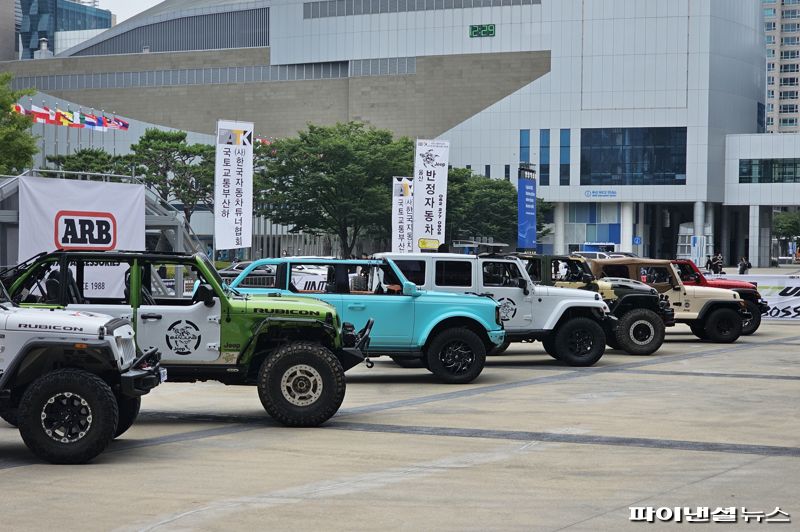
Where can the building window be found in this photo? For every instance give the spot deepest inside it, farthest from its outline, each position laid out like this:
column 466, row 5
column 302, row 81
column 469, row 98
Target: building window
column 791, row 13
column 791, row 27
column 507, row 172
column 468, row 167
column 789, row 82
column 770, row 107
column 524, row 145
column 769, row 171
column 788, row 108
column 791, row 67
column 769, row 39
column 789, row 95
column 771, row 94
column 788, row 122
column 790, row 41
column 564, row 158
column 770, row 121
column 633, row 156
column 770, row 11
column 769, row 26
column 544, row 157
column 487, row 170
column 770, row 80
column 790, row 54
column 771, row 67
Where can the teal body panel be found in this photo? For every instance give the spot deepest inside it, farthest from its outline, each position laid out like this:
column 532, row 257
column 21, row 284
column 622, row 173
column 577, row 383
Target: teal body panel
column 402, row 322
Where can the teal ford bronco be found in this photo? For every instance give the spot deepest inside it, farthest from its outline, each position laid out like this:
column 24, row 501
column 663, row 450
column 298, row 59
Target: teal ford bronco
column 449, row 333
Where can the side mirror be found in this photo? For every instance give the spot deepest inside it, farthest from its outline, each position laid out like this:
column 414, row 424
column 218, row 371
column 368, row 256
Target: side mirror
column 204, row 293
column 522, row 283
column 676, row 288
column 410, row 289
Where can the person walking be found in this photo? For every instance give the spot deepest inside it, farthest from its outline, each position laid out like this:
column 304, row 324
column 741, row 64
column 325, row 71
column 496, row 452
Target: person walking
column 744, row 266
column 709, row 264
column 716, row 263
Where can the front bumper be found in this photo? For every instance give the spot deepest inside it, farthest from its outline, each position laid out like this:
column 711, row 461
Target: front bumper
column 145, row 374
column 497, row 337
column 763, row 306
column 667, row 316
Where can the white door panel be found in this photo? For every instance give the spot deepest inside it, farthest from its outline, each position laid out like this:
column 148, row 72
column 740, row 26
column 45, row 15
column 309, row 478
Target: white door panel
column 183, row 334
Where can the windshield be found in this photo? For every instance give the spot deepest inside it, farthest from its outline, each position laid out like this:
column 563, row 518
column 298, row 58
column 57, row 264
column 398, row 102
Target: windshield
column 3, row 294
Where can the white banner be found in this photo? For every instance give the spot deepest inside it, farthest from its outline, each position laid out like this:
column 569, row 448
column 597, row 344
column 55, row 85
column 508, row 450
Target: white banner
column 402, row 215
column 89, row 215
column 233, row 185
column 781, row 292
column 430, row 193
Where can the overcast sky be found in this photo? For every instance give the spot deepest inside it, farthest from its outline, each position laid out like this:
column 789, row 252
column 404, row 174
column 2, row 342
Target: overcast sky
column 125, row 9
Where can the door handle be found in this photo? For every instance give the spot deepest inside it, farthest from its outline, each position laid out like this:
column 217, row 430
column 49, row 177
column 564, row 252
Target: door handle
column 356, row 306
column 151, row 316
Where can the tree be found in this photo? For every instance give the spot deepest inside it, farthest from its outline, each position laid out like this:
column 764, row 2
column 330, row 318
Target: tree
column 176, row 170
column 786, row 225
column 332, row 179
column 542, row 209
column 17, row 143
column 92, row 160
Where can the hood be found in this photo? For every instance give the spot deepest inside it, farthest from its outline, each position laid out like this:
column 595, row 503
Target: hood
column 729, row 283
column 573, row 293
column 705, row 292
column 288, row 306
column 461, row 299
column 53, row 321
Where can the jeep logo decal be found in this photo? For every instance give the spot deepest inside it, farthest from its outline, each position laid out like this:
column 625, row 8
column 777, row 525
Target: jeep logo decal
column 508, row 309
column 183, row 337
column 85, row 230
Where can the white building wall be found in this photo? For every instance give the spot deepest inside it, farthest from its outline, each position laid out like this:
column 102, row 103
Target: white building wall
column 771, row 146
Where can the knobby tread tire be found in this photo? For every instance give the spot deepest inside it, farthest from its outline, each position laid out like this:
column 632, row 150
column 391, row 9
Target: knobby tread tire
column 755, row 322
column 323, row 361
column 94, row 390
column 714, row 320
column 128, row 412
column 657, row 329
column 10, row 415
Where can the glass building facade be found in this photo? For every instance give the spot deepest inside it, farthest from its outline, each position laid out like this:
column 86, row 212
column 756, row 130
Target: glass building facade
column 633, row 156
column 42, row 18
column 544, row 157
column 769, row 171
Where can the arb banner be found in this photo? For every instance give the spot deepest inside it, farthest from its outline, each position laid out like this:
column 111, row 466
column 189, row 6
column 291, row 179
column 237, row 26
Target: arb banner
column 233, row 185
column 430, row 193
column 86, row 215
column 402, row 215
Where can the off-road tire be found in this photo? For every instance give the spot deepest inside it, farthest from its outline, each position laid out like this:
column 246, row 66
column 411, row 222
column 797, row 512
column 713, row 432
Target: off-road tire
column 723, row 326
column 10, row 415
column 68, row 385
column 611, row 341
column 579, row 342
column 640, row 332
column 456, row 356
column 500, row 349
column 128, row 412
column 699, row 329
column 750, row 326
column 550, row 346
column 313, row 384
column 409, row 363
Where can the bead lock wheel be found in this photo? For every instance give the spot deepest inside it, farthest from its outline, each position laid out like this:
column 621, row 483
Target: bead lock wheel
column 301, row 385
column 66, row 417
column 642, row 332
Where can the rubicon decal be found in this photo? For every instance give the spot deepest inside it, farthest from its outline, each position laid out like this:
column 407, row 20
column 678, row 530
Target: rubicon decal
column 85, row 230
column 50, row 327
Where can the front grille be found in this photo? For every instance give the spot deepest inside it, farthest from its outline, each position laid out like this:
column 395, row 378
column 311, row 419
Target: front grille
column 127, row 347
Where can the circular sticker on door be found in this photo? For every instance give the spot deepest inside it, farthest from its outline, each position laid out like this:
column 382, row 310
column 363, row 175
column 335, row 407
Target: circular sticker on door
column 183, row 337
column 508, row 309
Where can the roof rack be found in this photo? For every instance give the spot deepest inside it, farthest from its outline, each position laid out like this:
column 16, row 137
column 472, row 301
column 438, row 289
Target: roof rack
column 492, row 248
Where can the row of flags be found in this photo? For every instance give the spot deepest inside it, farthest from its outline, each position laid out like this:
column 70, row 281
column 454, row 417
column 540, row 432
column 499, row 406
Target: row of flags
column 74, row 119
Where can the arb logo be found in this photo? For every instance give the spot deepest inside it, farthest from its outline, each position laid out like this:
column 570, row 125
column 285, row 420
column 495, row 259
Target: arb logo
column 85, row 230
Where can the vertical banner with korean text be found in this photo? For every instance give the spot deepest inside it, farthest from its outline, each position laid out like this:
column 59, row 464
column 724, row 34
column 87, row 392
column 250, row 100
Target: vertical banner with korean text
column 233, row 185
column 430, row 193
column 402, row 215
column 526, row 214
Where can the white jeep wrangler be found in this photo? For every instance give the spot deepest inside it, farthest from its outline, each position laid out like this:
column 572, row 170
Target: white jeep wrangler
column 567, row 321
column 71, row 381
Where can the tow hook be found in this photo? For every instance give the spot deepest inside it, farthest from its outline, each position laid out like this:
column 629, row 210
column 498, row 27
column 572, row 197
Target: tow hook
column 369, row 363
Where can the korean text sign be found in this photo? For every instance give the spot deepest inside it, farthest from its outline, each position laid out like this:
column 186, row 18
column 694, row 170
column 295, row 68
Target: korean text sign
column 430, row 193
column 233, row 185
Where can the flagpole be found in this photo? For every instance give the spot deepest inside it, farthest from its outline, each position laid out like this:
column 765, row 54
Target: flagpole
column 114, row 135
column 69, row 126
column 80, row 114
column 44, row 138
column 91, row 130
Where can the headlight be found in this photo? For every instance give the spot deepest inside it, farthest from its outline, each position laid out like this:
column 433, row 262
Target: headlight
column 497, row 315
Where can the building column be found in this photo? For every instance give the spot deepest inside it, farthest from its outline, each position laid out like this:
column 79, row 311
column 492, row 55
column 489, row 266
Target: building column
column 658, row 217
column 760, row 233
column 724, row 244
column 741, row 234
column 559, row 228
column 754, row 232
column 626, row 227
column 699, row 218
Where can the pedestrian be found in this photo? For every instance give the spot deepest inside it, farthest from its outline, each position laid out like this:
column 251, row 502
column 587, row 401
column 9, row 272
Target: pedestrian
column 744, row 266
column 716, row 263
column 708, row 263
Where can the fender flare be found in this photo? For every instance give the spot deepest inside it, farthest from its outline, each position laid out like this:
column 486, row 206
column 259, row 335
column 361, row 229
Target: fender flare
column 628, row 301
column 566, row 305
column 425, row 335
column 714, row 304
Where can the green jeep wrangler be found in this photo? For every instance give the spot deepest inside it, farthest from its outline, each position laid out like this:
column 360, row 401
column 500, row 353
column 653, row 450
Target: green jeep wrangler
column 292, row 349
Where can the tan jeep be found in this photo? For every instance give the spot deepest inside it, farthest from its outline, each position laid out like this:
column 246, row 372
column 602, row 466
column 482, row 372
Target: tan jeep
column 713, row 314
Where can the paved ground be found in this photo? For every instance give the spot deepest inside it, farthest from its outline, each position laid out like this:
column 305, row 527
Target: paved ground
column 529, row 446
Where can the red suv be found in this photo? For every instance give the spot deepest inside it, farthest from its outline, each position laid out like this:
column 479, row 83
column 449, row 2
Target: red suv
column 691, row 275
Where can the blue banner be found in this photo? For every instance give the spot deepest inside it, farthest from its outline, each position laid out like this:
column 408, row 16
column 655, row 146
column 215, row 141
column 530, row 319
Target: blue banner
column 526, row 214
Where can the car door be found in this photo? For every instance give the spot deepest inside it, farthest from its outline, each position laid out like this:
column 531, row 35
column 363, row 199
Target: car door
column 501, row 280
column 169, row 317
column 383, row 301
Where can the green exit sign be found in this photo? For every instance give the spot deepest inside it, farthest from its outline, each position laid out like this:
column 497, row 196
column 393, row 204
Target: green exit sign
column 481, row 30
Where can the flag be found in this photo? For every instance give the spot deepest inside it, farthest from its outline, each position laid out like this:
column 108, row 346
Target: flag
column 94, row 122
column 17, row 108
column 76, row 120
column 64, row 118
column 117, row 123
